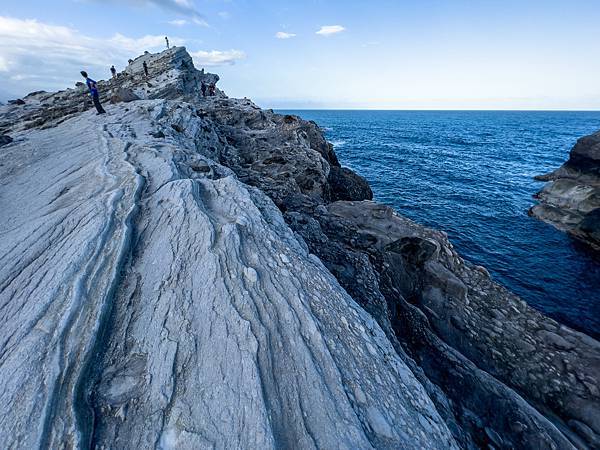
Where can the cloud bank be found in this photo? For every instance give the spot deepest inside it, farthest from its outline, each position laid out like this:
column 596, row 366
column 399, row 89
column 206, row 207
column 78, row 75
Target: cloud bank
column 217, row 57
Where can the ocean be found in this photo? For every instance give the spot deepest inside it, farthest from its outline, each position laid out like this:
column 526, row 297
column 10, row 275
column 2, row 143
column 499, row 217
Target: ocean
column 470, row 173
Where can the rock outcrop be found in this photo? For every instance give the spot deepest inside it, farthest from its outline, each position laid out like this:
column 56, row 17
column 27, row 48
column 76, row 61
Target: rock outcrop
column 5, row 139
column 191, row 272
column 571, row 199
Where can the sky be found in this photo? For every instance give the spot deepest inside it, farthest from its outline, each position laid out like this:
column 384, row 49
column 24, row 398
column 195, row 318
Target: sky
column 332, row 54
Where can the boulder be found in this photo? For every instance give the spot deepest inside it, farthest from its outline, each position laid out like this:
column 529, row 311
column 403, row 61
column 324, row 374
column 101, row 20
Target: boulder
column 5, row 140
column 123, row 95
column 348, row 185
column 570, row 201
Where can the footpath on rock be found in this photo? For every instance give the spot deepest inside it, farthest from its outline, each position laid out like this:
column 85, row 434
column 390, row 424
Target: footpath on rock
column 195, row 272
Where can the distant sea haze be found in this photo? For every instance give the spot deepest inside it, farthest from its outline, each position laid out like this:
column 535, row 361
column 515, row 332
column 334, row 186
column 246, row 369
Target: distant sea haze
column 470, row 173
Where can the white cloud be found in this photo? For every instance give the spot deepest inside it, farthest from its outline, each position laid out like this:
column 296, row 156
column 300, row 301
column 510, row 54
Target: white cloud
column 178, row 22
column 35, row 55
column 328, row 30
column 284, row 35
column 200, row 22
column 3, row 64
column 185, row 8
column 217, row 57
column 224, row 15
column 179, row 6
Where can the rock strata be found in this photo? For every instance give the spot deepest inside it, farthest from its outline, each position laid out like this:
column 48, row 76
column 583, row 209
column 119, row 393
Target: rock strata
column 570, row 200
column 191, row 272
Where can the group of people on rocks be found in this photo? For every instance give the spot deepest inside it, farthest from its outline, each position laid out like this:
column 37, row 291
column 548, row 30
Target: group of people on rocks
column 92, row 85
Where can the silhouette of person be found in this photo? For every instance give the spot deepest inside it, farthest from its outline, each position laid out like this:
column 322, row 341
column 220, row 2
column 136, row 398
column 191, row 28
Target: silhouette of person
column 203, row 89
column 113, row 71
column 145, row 68
column 167, row 39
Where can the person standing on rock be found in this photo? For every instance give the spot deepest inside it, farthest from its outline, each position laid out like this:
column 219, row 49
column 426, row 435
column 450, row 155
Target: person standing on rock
column 145, row 68
column 167, row 39
column 113, row 71
column 203, row 89
column 93, row 87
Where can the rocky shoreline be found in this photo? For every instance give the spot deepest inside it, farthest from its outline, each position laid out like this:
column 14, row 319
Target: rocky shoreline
column 570, row 201
column 199, row 272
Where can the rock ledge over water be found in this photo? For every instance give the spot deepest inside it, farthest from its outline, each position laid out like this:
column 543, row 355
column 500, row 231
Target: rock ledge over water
column 570, row 200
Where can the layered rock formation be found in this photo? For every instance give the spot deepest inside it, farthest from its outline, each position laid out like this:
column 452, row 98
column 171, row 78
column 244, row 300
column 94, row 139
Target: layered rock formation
column 571, row 199
column 190, row 272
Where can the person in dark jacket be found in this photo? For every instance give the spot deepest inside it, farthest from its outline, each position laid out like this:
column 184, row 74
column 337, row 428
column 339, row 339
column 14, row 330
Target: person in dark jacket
column 167, row 39
column 203, row 89
column 113, row 71
column 145, row 68
column 93, row 87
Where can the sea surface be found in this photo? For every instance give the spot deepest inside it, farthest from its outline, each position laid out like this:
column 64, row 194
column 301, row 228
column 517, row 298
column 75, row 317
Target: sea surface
column 470, row 173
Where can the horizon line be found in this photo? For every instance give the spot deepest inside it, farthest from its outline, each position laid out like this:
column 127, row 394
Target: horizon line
column 430, row 110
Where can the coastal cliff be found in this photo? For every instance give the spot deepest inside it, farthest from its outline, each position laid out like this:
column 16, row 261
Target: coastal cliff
column 570, row 201
column 195, row 272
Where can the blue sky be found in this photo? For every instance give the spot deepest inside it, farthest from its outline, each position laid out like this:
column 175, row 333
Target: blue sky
column 429, row 54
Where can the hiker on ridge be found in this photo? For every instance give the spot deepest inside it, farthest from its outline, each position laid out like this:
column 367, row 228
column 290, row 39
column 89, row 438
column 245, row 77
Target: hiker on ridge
column 203, row 89
column 167, row 39
column 93, row 87
column 145, row 68
column 113, row 71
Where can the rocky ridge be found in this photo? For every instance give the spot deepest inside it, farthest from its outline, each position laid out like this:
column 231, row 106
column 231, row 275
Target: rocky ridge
column 197, row 272
column 570, row 201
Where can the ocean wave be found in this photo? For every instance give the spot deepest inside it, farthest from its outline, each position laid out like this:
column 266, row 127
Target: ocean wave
column 471, row 174
column 338, row 143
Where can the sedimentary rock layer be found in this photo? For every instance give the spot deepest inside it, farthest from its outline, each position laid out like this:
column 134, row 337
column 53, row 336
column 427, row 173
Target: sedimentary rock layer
column 570, row 200
column 192, row 272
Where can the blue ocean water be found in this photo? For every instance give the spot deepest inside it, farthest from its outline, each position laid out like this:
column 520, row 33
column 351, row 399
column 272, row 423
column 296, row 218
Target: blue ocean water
column 470, row 173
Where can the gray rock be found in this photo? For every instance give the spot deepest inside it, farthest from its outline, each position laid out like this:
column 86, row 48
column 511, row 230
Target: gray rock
column 149, row 298
column 154, row 295
column 123, row 95
column 571, row 199
column 5, row 140
column 347, row 185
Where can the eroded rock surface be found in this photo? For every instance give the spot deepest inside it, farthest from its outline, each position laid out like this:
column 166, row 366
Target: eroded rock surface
column 570, row 200
column 190, row 272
